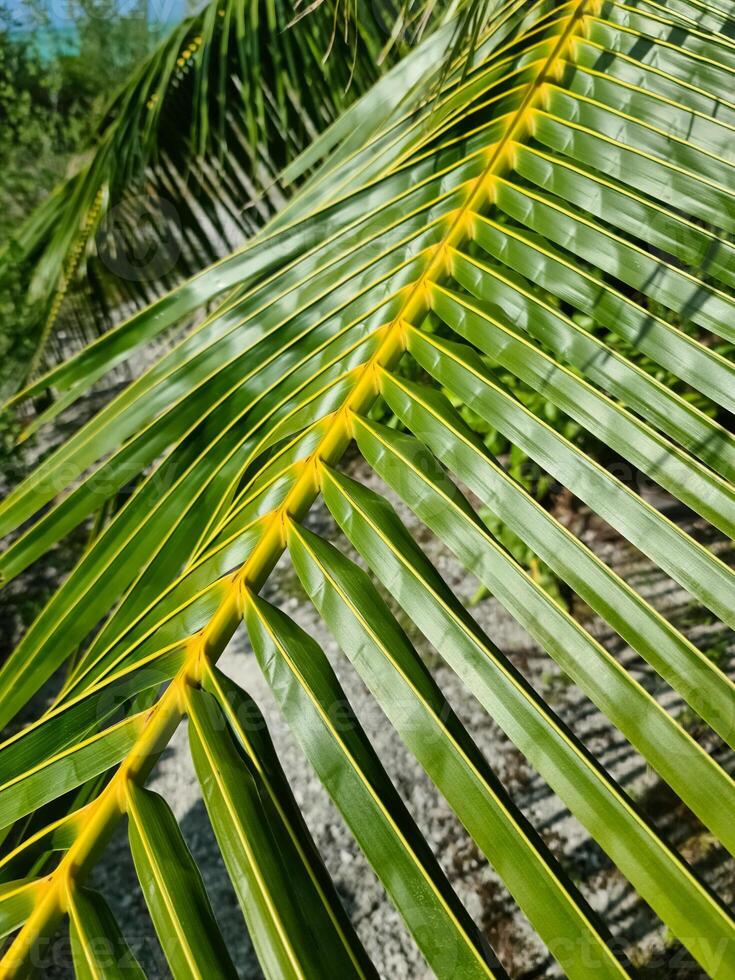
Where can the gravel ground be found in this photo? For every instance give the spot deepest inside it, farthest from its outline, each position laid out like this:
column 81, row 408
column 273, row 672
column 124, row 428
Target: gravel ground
column 378, row 925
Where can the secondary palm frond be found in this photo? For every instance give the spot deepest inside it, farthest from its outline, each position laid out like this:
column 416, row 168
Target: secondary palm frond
column 187, row 161
column 560, row 212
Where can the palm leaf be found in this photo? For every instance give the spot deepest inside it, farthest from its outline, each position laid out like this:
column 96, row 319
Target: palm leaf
column 556, row 217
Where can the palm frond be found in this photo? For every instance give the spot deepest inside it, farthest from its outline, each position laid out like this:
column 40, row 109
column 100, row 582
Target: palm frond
column 559, row 213
column 186, row 161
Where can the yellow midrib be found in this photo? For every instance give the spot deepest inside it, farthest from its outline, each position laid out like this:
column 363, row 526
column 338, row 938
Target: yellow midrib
column 213, row 638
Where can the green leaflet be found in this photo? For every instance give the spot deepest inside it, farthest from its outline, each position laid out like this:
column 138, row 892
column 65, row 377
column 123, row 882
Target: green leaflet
column 98, row 947
column 68, row 723
column 66, row 770
column 174, row 890
column 309, row 877
column 56, row 836
column 17, row 899
column 331, row 737
column 277, row 906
